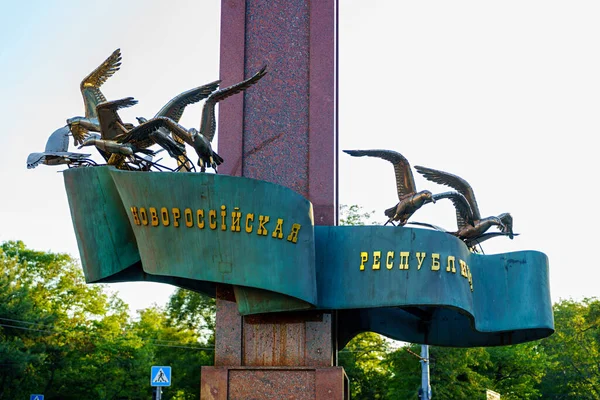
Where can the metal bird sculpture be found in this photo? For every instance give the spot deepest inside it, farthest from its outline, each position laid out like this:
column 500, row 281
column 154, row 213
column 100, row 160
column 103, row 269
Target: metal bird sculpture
column 174, row 110
column 112, row 129
column 57, row 152
column 471, row 227
column 409, row 199
column 153, row 130
column 208, row 125
column 92, row 96
column 160, row 136
column 201, row 140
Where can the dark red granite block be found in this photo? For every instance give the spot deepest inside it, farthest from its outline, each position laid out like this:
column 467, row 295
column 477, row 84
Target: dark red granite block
column 274, row 383
column 288, row 339
column 283, row 129
column 228, row 328
column 319, row 341
column 331, row 383
column 213, row 383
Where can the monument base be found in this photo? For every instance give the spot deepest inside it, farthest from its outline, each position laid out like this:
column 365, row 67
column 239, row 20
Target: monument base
column 298, row 383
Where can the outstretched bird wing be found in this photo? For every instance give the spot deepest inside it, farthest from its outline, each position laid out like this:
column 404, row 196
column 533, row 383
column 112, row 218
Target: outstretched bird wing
column 405, row 182
column 140, row 134
column 111, row 124
column 59, row 140
column 208, row 126
column 464, row 214
column 90, row 86
column 90, row 90
column 175, row 107
column 455, row 182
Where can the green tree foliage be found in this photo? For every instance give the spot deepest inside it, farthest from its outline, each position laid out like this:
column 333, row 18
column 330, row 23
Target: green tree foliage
column 354, row 215
column 363, row 360
column 573, row 352
column 69, row 340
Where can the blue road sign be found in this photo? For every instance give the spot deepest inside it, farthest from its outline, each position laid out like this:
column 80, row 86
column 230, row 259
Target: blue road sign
column 36, row 397
column 160, row 376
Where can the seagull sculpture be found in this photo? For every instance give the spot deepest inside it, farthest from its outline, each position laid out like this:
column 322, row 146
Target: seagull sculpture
column 112, row 129
column 174, row 110
column 409, row 199
column 208, row 125
column 56, row 152
column 471, row 227
column 201, row 140
column 92, row 96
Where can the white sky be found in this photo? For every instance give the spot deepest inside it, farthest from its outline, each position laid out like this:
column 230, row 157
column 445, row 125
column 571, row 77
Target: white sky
column 504, row 94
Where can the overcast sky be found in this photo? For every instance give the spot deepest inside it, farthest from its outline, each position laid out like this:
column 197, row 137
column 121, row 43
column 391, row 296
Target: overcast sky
column 503, row 94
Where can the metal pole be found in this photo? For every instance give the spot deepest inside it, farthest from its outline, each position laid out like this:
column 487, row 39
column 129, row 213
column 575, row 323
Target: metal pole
column 425, row 386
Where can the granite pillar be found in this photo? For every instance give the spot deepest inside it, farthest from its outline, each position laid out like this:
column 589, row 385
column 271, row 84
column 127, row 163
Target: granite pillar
column 282, row 130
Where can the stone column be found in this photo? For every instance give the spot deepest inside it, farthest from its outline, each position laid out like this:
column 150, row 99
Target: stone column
column 282, row 130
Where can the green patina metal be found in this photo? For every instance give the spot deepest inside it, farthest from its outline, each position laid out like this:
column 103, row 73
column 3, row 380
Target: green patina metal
column 197, row 230
column 431, row 302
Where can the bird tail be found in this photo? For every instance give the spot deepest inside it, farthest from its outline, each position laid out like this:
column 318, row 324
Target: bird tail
column 390, row 212
column 217, row 158
column 146, row 151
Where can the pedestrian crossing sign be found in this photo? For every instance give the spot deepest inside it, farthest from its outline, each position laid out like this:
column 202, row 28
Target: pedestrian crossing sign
column 36, row 397
column 160, row 376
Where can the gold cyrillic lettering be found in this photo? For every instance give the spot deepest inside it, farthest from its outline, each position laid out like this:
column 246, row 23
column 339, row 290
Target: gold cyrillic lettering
column 450, row 265
column 435, row 262
column 470, row 278
column 212, row 219
column 200, row 219
column 404, row 259
column 143, row 216
column 364, row 257
column 249, row 218
column 136, row 218
column 189, row 217
column 164, row 216
column 223, row 216
column 463, row 268
column 420, row 259
column 278, row 232
column 389, row 261
column 176, row 215
column 262, row 220
column 153, row 216
column 376, row 258
column 293, row 236
column 236, row 216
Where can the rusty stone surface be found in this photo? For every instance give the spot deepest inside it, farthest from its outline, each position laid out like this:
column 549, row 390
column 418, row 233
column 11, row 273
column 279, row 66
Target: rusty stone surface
column 271, row 384
column 275, row 383
column 213, row 383
column 288, row 339
column 331, row 383
column 269, row 132
column 228, row 328
column 320, row 348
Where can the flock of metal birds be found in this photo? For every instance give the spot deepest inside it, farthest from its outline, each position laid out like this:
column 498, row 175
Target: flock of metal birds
column 120, row 144
column 126, row 146
column 472, row 228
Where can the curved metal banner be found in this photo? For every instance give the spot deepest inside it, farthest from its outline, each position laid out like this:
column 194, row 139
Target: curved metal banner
column 194, row 227
column 197, row 230
column 424, row 286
